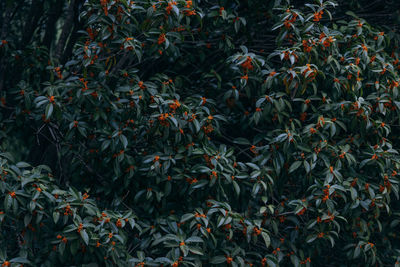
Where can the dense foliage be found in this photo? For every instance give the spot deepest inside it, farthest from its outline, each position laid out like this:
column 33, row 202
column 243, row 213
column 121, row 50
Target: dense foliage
column 199, row 133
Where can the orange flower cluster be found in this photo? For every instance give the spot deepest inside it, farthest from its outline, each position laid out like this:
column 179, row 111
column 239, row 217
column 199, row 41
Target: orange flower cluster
column 318, row 16
column 303, row 116
column 208, row 129
column 288, row 22
column 162, row 118
column 191, row 181
column 264, row 262
column 253, row 149
column 175, row 105
column 305, row 261
column 302, row 211
column 256, row 231
column 229, row 259
column 307, row 70
column 63, row 239
column 326, row 193
column 141, row 85
column 247, row 64
column 80, row 228
column 189, row 4
column 161, row 38
column 58, row 71
column 328, row 41
column 85, row 87
column 67, row 210
column 170, row 6
column 307, row 48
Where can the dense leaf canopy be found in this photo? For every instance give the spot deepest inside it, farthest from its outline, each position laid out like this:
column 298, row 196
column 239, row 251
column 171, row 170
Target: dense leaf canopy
column 199, row 133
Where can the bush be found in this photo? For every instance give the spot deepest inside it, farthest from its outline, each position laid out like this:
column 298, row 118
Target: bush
column 181, row 135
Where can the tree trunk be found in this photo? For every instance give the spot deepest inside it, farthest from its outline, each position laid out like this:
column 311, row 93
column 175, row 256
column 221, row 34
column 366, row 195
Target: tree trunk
column 66, row 30
column 54, row 14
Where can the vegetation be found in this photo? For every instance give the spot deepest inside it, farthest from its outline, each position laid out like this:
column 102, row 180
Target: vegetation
column 199, row 133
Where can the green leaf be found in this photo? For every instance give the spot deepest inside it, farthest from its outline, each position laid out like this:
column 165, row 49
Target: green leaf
column 241, row 141
column 218, row 260
column 194, row 239
column 186, row 217
column 84, row 236
column 266, row 238
column 294, row 166
column 49, row 110
column 56, row 216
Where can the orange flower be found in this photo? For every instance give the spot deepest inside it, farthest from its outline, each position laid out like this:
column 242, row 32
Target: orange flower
column 256, row 231
column 302, row 211
column 366, row 186
column 247, row 64
column 253, row 149
column 80, row 227
column 12, row 194
column 189, row 4
column 64, row 240
column 182, row 243
column 245, row 77
column 374, row 157
column 161, row 38
column 175, row 105
column 169, row 7
column 287, row 24
column 141, row 85
column 313, row 131
column 229, row 259
column 318, row 16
